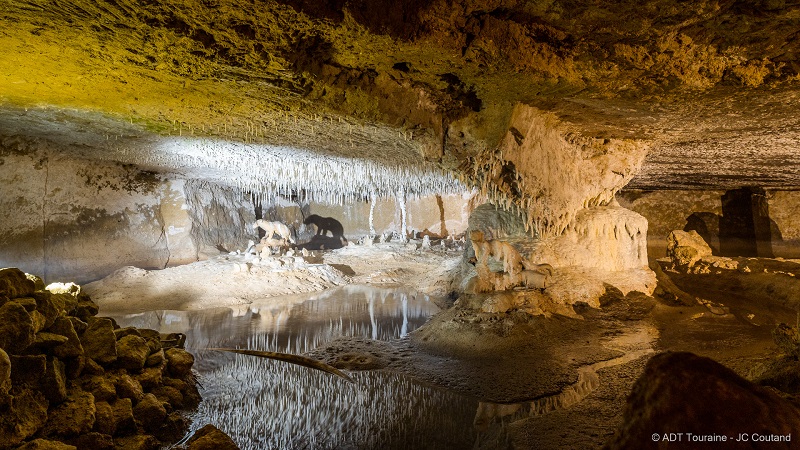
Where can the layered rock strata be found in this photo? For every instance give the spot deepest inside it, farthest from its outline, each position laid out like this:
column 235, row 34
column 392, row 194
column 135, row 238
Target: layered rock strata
column 70, row 379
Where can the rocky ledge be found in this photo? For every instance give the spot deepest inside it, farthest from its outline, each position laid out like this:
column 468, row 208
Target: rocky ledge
column 72, row 380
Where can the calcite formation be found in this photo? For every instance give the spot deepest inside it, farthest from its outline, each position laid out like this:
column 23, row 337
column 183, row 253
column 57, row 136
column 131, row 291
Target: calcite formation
column 603, row 245
column 70, row 379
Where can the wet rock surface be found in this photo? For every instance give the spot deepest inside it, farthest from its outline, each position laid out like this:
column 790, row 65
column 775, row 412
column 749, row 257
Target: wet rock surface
column 69, row 379
column 210, row 437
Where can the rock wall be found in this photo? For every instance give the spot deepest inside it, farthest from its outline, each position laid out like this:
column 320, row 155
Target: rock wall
column 551, row 173
column 221, row 220
column 72, row 380
column 76, row 220
column 770, row 215
column 444, row 214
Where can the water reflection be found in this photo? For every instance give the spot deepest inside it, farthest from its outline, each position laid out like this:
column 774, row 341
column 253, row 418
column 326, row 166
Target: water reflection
column 266, row 404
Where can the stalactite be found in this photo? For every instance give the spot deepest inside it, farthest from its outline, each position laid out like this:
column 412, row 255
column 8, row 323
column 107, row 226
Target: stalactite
column 373, row 198
column 401, row 200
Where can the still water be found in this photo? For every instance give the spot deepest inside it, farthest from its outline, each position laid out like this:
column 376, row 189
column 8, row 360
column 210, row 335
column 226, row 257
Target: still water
column 266, row 404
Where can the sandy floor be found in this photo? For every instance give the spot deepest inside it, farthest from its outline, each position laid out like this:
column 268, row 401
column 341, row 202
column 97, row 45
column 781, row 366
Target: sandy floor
column 233, row 279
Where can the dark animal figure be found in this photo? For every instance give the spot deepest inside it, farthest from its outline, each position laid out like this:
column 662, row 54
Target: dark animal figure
column 325, row 224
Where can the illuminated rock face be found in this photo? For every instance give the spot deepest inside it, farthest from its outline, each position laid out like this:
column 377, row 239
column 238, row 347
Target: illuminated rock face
column 604, row 245
column 549, row 174
column 607, row 238
column 68, row 218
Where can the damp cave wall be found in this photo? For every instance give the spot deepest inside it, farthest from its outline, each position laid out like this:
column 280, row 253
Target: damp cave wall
column 738, row 222
column 71, row 219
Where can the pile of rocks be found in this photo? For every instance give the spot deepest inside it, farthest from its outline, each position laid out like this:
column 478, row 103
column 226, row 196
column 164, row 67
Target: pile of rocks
column 70, row 379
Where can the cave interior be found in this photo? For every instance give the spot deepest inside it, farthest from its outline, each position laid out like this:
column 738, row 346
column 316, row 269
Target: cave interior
column 598, row 202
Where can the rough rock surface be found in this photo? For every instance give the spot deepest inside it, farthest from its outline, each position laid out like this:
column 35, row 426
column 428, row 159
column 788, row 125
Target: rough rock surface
column 66, row 383
column 603, row 246
column 685, row 248
column 14, row 283
column 99, row 341
column 685, row 393
column 16, row 327
column 210, row 437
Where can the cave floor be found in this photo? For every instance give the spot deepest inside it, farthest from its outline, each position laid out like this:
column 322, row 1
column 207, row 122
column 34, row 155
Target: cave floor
column 542, row 382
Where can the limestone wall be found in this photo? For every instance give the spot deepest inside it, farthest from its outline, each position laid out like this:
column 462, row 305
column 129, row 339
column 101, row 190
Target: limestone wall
column 74, row 220
column 446, row 214
column 775, row 219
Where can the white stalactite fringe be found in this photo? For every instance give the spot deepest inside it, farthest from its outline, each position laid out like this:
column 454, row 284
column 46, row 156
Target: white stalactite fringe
column 266, row 172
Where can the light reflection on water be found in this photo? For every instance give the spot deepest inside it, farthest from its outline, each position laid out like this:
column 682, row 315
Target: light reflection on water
column 265, row 404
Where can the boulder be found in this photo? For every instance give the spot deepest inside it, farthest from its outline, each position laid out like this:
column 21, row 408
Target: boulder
column 685, row 393
column 153, row 338
column 54, row 382
column 127, row 331
column 127, row 386
column 175, row 426
column 14, row 283
column 74, row 367
column 25, row 416
column 92, row 368
column 101, row 388
column 150, row 412
column 94, row 441
column 685, row 248
column 16, row 328
column 104, row 422
column 38, row 283
column 99, row 342
column 179, row 362
column 28, row 370
column 45, row 342
column 210, row 438
column 156, row 359
column 169, row 395
column 29, row 303
column 66, row 302
column 73, row 417
column 38, row 320
column 50, row 306
column 787, row 338
column 44, row 444
column 132, row 352
column 124, row 423
column 86, row 308
column 783, row 374
column 5, row 373
column 137, row 442
column 151, row 377
column 79, row 325
column 72, row 348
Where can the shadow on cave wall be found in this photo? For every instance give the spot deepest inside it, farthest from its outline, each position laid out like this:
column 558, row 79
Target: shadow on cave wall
column 743, row 229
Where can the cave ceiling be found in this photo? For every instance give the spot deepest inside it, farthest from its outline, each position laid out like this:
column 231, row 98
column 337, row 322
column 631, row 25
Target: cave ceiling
column 713, row 87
